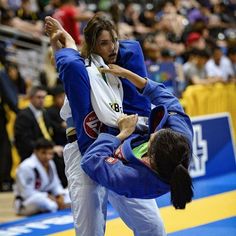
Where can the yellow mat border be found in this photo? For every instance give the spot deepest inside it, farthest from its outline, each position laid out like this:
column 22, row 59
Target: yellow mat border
column 199, row 212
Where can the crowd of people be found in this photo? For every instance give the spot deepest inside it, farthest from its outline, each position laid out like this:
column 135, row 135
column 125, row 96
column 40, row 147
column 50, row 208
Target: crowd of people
column 175, row 43
column 177, row 36
column 172, row 32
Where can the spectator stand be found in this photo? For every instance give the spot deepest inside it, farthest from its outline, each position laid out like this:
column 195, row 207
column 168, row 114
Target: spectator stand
column 27, row 51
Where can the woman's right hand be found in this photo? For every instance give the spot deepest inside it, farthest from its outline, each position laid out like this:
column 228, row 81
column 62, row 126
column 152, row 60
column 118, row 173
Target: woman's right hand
column 114, row 70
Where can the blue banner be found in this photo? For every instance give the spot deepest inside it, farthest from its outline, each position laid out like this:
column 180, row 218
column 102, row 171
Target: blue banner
column 213, row 146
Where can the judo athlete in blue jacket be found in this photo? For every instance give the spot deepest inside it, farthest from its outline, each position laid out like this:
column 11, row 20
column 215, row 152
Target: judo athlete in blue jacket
column 143, row 168
column 89, row 199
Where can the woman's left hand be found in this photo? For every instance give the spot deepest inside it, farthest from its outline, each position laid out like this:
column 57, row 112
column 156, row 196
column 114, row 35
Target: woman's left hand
column 126, row 124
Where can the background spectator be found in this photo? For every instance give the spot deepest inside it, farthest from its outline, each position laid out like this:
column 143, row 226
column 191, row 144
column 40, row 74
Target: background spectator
column 37, row 187
column 232, row 57
column 69, row 15
column 194, row 68
column 219, row 66
column 32, row 123
column 8, row 97
column 36, row 120
column 58, row 124
column 18, row 83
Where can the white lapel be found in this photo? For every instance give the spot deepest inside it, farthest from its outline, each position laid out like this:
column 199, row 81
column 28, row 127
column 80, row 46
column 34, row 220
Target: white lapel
column 106, row 93
column 46, row 180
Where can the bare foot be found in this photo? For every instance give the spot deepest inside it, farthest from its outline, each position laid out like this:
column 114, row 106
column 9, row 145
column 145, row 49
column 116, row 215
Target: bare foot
column 61, row 36
column 58, row 35
column 52, row 26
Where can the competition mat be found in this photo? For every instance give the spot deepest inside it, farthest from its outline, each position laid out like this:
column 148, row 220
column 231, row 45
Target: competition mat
column 212, row 212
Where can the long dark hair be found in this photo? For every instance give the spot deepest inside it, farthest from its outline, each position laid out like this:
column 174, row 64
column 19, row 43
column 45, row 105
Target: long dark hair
column 20, row 84
column 93, row 30
column 170, row 154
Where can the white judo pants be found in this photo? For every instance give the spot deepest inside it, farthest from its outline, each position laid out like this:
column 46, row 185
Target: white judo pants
column 37, row 203
column 89, row 203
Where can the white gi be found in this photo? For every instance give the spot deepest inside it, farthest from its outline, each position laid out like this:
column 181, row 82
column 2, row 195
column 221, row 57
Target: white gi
column 32, row 186
column 89, row 200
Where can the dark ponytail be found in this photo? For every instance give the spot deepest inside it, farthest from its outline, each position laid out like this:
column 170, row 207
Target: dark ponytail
column 170, row 154
column 180, row 187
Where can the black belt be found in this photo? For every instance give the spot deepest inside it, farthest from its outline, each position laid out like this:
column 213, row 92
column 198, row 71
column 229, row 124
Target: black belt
column 19, row 200
column 71, row 138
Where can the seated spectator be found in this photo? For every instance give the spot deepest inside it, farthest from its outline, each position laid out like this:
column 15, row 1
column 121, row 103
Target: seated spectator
column 150, row 47
column 161, row 66
column 163, row 42
column 32, row 123
column 232, row 57
column 171, row 21
column 171, row 72
column 37, row 187
column 131, row 16
column 219, row 66
column 148, row 16
column 195, row 40
column 195, row 15
column 17, row 81
column 194, row 68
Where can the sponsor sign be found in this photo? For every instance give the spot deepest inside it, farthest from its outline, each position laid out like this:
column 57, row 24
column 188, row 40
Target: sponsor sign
column 213, row 146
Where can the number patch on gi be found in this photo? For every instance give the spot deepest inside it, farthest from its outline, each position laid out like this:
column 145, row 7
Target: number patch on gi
column 111, row 160
column 115, row 106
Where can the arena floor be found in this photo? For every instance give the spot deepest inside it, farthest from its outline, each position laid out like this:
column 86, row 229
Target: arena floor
column 212, row 213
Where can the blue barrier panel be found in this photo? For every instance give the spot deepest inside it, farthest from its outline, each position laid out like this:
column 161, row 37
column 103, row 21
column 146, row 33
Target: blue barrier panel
column 213, row 146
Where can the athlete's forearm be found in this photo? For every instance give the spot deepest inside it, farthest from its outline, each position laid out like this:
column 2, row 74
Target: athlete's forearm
column 137, row 80
column 134, row 78
column 123, row 135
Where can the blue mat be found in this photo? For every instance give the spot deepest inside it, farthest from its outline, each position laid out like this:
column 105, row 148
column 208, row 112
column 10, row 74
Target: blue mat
column 48, row 223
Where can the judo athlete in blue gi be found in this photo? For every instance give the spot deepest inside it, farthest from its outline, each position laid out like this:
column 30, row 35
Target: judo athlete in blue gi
column 89, row 199
column 146, row 166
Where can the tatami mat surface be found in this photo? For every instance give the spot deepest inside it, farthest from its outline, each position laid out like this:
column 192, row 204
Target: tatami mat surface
column 212, row 212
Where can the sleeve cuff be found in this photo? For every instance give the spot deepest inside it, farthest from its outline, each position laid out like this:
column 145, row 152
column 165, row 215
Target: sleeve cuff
column 145, row 90
column 64, row 51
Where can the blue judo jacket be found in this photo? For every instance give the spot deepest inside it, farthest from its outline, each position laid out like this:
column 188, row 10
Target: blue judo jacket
column 73, row 74
column 113, row 164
